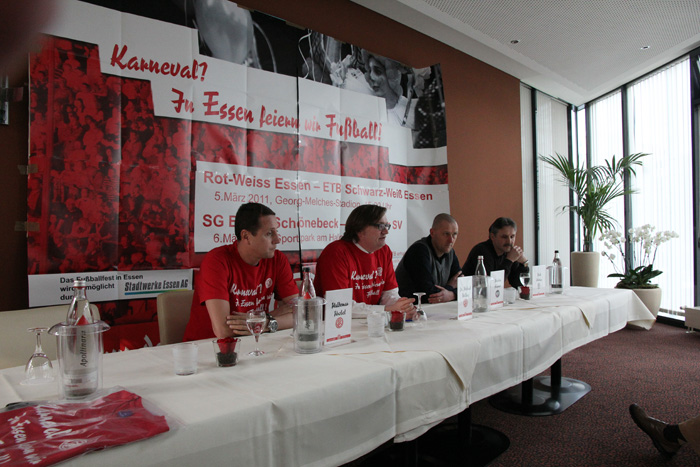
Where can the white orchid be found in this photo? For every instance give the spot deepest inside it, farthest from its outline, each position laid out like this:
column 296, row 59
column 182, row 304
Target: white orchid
column 644, row 242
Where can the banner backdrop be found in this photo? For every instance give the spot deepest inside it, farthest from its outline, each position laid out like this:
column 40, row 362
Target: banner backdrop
column 152, row 122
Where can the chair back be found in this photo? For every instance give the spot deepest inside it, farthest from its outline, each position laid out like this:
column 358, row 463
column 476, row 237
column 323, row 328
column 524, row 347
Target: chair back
column 173, row 314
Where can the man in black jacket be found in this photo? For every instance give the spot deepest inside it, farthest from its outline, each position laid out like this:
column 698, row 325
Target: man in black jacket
column 430, row 265
column 500, row 252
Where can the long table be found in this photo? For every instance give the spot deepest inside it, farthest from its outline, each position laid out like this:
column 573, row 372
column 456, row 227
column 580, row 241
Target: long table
column 332, row 407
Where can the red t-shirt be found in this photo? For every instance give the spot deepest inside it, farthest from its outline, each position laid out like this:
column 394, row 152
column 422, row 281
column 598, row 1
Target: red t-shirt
column 48, row 433
column 224, row 275
column 344, row 265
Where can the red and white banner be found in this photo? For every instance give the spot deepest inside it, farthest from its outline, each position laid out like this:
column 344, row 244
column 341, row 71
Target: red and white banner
column 149, row 130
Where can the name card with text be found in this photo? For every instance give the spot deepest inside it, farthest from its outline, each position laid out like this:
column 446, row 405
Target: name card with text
column 338, row 316
column 539, row 280
column 464, row 297
column 496, row 289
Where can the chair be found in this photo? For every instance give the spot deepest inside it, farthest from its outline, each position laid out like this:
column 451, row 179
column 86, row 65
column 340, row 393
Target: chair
column 173, row 314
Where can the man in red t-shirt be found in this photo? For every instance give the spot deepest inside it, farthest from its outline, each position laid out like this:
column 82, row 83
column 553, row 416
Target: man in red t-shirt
column 361, row 260
column 244, row 276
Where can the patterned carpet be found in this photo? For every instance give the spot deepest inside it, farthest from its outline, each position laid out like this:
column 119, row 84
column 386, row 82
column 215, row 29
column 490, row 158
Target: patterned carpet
column 658, row 369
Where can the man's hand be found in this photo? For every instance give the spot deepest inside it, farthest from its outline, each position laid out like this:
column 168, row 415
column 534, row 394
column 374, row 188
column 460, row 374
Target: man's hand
column 443, row 295
column 516, row 254
column 403, row 304
column 236, row 322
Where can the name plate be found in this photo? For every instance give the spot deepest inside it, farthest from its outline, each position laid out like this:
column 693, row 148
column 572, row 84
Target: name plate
column 539, row 281
column 496, row 289
column 338, row 317
column 464, row 297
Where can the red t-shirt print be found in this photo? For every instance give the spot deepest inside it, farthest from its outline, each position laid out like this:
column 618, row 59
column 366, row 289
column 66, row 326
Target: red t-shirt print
column 45, row 434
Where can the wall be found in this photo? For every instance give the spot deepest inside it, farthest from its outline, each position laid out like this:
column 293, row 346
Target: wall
column 13, row 207
column 483, row 129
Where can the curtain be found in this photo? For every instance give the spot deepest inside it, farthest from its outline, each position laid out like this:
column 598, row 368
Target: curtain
column 605, row 142
column 659, row 123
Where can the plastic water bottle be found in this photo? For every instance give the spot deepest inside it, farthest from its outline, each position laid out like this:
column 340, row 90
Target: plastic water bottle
column 556, row 279
column 481, row 290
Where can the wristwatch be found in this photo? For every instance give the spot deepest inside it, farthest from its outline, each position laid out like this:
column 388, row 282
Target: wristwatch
column 272, row 324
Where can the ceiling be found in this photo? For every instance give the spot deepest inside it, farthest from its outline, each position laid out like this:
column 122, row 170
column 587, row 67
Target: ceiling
column 575, row 50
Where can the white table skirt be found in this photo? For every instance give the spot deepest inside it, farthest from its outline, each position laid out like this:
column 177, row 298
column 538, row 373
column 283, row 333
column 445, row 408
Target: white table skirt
column 332, row 407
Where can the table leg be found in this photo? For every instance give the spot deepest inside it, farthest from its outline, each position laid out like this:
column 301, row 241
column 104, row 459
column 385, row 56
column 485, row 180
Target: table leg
column 541, row 395
column 457, row 441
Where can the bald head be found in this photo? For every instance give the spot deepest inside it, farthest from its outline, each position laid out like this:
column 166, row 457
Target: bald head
column 443, row 233
column 443, row 217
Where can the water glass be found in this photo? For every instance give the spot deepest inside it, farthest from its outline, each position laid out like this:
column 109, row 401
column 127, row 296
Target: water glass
column 185, row 358
column 376, row 321
column 510, row 294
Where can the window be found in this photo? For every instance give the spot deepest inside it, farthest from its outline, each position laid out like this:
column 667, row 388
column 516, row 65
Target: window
column 605, row 142
column 552, row 195
column 546, row 228
column 659, row 124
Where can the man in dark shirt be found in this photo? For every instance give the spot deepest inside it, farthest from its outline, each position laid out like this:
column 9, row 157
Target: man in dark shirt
column 500, row 252
column 430, row 265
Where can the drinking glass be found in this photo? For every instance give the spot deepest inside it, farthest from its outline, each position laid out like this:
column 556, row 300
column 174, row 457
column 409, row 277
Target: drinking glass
column 420, row 317
column 525, row 279
column 38, row 369
column 256, row 321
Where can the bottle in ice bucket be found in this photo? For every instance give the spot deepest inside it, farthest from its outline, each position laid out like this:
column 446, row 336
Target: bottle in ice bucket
column 307, row 287
column 80, row 312
column 80, row 346
column 481, row 290
column 556, row 279
column 308, row 318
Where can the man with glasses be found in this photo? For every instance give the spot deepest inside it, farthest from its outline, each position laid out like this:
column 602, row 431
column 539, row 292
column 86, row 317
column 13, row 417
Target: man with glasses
column 431, row 265
column 362, row 260
column 500, row 252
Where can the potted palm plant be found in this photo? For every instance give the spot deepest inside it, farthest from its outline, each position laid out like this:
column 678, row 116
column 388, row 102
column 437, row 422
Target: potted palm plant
column 594, row 188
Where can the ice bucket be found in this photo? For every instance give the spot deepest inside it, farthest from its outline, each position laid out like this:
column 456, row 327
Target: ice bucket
column 308, row 325
column 79, row 358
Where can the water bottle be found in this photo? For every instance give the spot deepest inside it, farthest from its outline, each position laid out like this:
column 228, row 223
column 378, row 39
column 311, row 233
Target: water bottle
column 481, row 290
column 80, row 312
column 308, row 317
column 556, row 279
column 307, row 287
column 80, row 346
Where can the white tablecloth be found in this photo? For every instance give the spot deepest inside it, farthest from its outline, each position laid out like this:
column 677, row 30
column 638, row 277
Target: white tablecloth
column 332, row 407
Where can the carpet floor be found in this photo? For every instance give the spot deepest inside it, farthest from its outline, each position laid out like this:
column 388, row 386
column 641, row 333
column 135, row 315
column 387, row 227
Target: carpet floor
column 658, row 369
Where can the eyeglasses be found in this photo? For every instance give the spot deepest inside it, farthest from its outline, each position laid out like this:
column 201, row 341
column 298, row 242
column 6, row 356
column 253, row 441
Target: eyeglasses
column 382, row 226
